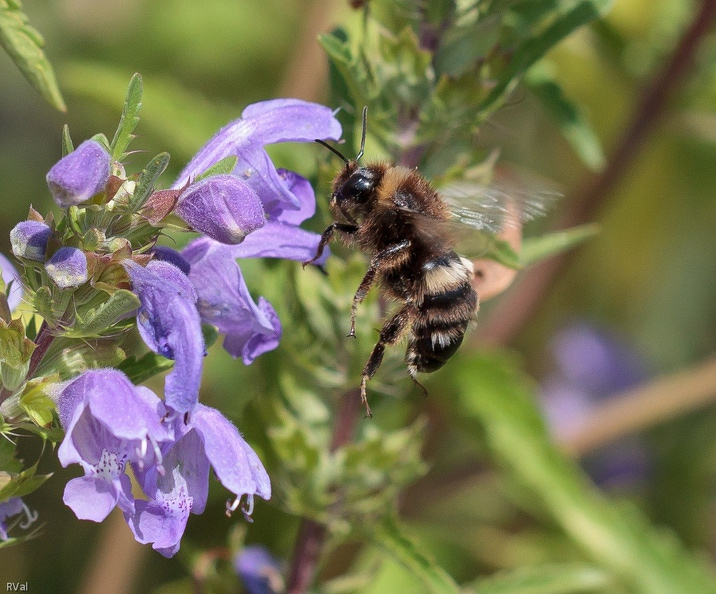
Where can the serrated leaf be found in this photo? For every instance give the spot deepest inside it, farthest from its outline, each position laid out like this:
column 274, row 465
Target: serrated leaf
column 568, row 117
column 99, row 319
column 24, row 45
column 535, row 249
column 564, row 578
column 393, row 540
column 495, row 395
column 130, row 118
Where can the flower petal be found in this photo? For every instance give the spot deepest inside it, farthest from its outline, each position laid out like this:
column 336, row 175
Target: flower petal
column 29, row 240
column 235, row 464
column 80, row 175
column 223, row 207
column 280, row 120
column 67, row 267
column 90, row 498
column 169, row 324
column 10, row 275
column 225, row 301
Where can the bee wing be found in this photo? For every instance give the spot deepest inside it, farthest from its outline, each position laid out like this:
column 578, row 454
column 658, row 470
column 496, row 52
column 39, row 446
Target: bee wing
column 451, row 234
column 492, row 209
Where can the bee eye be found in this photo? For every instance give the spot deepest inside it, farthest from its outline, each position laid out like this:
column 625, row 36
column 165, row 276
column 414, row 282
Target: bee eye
column 358, row 187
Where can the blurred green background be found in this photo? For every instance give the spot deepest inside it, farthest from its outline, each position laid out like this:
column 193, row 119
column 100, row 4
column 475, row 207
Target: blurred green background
column 649, row 278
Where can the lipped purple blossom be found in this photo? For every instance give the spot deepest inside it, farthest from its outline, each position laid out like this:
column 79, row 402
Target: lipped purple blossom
column 170, row 445
column 252, row 328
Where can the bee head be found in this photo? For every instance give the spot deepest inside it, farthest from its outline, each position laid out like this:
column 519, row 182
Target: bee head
column 354, row 186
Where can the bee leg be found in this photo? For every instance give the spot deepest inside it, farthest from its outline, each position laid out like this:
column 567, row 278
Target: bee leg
column 327, row 236
column 389, row 256
column 389, row 335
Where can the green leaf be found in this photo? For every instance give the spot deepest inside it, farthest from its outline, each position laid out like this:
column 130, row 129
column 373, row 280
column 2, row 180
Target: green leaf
column 535, row 249
column 568, row 117
column 224, row 166
column 392, row 539
column 534, row 47
column 92, row 323
column 169, row 111
column 147, row 178
column 129, row 120
column 36, row 402
column 68, row 356
column 496, row 397
column 564, row 578
column 147, row 366
column 67, row 144
column 347, row 65
column 24, row 45
column 19, row 485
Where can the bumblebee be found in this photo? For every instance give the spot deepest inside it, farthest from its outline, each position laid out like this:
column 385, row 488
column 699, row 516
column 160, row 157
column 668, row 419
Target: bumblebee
column 395, row 215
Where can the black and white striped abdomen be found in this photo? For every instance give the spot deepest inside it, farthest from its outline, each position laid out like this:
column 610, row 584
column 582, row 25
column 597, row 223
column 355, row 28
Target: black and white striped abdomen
column 445, row 305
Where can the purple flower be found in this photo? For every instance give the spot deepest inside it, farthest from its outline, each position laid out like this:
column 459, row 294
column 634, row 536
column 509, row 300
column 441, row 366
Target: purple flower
column 223, row 207
column 267, row 122
column 208, row 439
column 288, row 199
column 14, row 507
column 169, row 324
column 282, row 237
column 225, row 301
column 108, row 423
column 80, row 175
column 67, row 267
column 29, row 240
column 591, row 365
column 10, row 275
column 259, row 570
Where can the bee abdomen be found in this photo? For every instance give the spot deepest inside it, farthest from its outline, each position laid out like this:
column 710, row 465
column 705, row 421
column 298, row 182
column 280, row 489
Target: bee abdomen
column 448, row 303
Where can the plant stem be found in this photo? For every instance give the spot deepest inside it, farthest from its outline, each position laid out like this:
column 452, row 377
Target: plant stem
column 312, row 535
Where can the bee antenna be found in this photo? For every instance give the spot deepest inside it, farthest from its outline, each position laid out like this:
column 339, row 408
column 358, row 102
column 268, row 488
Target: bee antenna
column 363, row 132
column 334, row 150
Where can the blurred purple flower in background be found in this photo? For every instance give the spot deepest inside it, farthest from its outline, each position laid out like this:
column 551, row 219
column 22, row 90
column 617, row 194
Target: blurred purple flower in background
column 259, row 570
column 79, row 175
column 591, row 365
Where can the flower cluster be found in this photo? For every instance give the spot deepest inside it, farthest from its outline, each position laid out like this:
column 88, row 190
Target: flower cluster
column 98, row 271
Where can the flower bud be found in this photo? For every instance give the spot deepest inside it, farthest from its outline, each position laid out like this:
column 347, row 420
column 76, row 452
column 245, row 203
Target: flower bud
column 67, row 267
column 29, row 240
column 223, row 207
column 80, row 175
